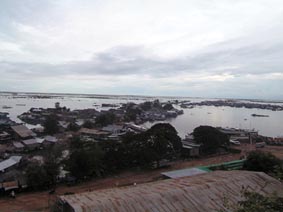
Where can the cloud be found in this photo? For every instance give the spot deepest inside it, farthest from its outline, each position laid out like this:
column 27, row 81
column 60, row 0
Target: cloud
column 122, row 61
column 178, row 47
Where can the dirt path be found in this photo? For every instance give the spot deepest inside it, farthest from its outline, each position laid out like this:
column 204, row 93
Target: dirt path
column 39, row 201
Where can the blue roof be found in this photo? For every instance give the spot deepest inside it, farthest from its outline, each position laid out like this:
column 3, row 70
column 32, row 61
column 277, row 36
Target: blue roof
column 184, row 172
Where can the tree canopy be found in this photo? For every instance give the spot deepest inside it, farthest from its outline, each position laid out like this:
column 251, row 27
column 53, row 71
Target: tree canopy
column 105, row 119
column 210, row 138
column 262, row 161
column 51, row 125
column 88, row 159
column 36, row 176
column 85, row 159
column 161, row 141
column 168, row 106
column 256, row 202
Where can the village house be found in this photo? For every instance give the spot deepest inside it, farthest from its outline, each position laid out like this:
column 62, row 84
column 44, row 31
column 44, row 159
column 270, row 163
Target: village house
column 242, row 136
column 94, row 133
column 189, row 147
column 5, row 136
column 5, row 121
column 115, row 130
column 18, row 146
column 8, row 164
column 22, row 132
column 130, row 127
column 31, row 144
column 49, row 140
column 9, row 185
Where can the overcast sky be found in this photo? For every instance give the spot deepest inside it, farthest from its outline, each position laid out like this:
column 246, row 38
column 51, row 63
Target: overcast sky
column 204, row 48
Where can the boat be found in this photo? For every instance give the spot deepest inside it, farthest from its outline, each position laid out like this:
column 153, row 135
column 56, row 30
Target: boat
column 258, row 115
column 6, row 107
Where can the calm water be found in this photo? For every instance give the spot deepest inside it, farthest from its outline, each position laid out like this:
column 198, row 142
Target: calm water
column 204, row 115
column 229, row 117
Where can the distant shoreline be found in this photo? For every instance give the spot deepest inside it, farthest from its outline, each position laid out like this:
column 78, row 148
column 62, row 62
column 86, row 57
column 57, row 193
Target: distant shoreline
column 112, row 96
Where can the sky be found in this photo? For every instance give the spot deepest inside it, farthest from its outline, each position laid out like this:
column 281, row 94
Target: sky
column 194, row 48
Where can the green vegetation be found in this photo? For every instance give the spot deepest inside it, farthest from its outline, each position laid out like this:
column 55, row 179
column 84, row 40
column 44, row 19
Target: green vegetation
column 85, row 163
column 51, row 168
column 105, row 119
column 44, row 175
column 168, row 106
column 132, row 113
column 210, row 138
column 51, row 125
column 264, row 162
column 88, row 124
column 36, row 176
column 147, row 149
column 146, row 106
column 255, row 202
column 73, row 127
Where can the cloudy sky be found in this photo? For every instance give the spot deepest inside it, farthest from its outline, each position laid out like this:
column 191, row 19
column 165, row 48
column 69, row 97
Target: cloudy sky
column 204, row 48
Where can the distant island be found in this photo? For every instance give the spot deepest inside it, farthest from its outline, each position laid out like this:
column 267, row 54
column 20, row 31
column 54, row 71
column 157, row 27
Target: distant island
column 232, row 103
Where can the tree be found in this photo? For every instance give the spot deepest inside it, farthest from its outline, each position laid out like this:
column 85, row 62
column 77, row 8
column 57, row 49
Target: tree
column 86, row 162
column 51, row 125
column 146, row 105
column 157, row 104
column 88, row 124
column 132, row 113
column 210, row 138
column 73, row 127
column 105, row 119
column 36, row 176
column 263, row 162
column 255, row 202
column 159, row 142
column 113, row 158
column 167, row 132
column 168, row 106
column 76, row 143
column 51, row 164
column 164, row 141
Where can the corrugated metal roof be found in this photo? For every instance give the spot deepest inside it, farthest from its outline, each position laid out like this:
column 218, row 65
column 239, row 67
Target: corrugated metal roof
column 184, row 173
column 10, row 185
column 18, row 144
column 113, row 128
column 9, row 162
column 93, row 131
column 199, row 193
column 22, row 131
column 30, row 141
column 50, row 139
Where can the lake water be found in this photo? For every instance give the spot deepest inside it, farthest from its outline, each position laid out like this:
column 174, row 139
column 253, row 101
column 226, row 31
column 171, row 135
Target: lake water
column 204, row 115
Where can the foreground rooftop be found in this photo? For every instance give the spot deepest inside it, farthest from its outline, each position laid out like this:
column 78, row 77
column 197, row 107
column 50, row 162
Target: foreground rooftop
column 200, row 193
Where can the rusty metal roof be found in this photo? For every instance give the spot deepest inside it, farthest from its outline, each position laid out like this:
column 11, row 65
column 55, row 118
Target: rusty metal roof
column 198, row 193
column 23, row 131
column 93, row 131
